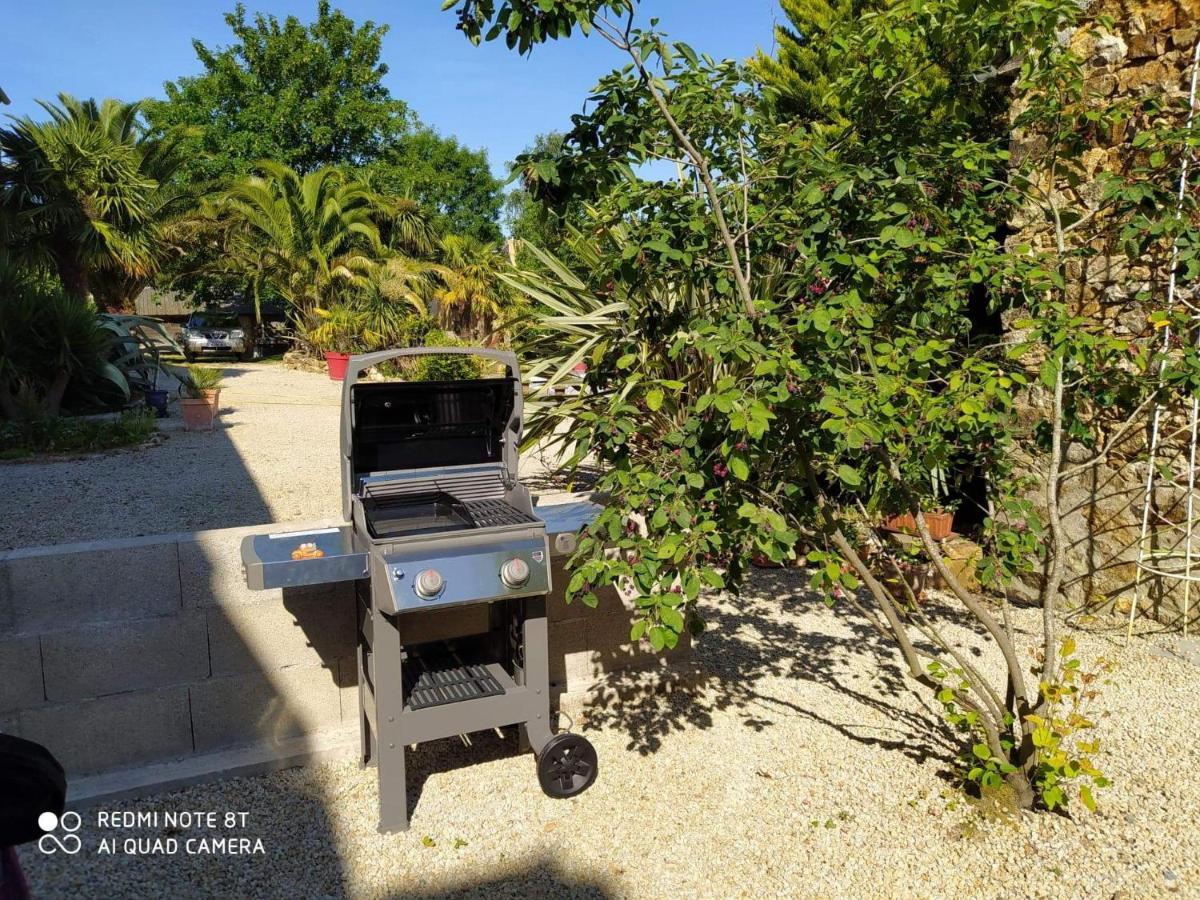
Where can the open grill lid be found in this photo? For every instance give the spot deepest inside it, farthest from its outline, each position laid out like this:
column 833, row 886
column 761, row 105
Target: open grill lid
column 425, row 424
column 398, row 426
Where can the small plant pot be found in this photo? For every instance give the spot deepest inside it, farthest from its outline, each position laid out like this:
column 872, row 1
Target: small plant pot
column 157, row 401
column 940, row 524
column 916, row 575
column 197, row 414
column 213, row 399
column 336, row 364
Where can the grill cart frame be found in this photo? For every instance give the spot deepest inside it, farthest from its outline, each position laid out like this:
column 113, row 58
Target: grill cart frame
column 424, row 536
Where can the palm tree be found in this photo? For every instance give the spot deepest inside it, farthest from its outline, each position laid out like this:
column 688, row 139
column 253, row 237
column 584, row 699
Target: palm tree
column 87, row 192
column 473, row 298
column 311, row 237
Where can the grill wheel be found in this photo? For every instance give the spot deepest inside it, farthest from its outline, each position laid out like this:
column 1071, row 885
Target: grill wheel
column 567, row 765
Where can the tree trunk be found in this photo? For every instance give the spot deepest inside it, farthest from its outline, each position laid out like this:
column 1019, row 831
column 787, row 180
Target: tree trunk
column 52, row 402
column 72, row 272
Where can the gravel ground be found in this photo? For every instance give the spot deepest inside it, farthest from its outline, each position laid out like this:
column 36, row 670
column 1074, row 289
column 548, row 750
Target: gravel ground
column 797, row 764
column 272, row 458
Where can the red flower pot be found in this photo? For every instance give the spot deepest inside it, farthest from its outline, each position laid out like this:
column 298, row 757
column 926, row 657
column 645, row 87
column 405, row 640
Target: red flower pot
column 336, row 363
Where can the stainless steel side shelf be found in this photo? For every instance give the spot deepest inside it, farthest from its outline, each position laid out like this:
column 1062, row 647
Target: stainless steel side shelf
column 269, row 563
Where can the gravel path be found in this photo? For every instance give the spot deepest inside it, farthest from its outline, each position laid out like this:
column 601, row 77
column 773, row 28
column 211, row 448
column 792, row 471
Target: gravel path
column 272, row 458
column 797, row 765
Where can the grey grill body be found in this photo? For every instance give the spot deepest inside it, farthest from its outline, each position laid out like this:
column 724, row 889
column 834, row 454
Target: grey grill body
column 424, row 537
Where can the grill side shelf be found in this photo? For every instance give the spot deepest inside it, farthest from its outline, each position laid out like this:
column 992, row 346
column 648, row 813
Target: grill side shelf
column 297, row 558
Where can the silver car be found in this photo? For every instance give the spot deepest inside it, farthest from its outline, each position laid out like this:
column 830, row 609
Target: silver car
column 215, row 334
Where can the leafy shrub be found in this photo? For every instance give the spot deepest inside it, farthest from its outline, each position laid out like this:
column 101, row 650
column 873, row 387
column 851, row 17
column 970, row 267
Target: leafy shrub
column 74, row 435
column 46, row 339
column 450, row 367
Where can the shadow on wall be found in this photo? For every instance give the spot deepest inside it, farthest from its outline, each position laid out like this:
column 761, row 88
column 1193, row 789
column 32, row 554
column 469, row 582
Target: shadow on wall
column 746, row 647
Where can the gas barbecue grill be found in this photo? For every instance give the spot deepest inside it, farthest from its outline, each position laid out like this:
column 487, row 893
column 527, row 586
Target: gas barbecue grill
column 437, row 518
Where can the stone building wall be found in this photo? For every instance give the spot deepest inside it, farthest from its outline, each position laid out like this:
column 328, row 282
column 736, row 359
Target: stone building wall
column 1146, row 53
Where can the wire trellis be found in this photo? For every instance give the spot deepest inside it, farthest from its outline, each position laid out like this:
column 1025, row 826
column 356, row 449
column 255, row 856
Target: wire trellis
column 1179, row 560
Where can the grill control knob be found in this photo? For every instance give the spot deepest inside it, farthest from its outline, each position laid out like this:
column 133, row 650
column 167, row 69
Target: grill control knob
column 514, row 573
column 429, row 583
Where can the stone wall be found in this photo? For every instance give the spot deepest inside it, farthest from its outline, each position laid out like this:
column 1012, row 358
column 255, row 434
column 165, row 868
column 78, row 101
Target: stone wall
column 147, row 662
column 1146, row 53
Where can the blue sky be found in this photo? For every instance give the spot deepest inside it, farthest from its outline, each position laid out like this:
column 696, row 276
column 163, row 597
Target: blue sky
column 488, row 96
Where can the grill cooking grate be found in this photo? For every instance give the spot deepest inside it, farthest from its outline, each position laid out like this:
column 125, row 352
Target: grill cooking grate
column 437, row 687
column 491, row 513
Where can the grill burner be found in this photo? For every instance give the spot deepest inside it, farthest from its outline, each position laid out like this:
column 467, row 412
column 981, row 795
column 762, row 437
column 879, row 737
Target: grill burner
column 437, row 518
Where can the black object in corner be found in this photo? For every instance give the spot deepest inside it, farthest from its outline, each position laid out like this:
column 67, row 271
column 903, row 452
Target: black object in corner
column 31, row 782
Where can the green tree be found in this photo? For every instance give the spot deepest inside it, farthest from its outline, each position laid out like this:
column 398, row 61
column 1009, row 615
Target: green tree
column 311, row 237
column 472, row 299
column 306, row 96
column 453, row 182
column 88, row 193
column 797, row 78
column 780, row 346
column 538, row 220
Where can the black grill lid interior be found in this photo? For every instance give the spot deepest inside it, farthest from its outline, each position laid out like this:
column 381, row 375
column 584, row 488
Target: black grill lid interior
column 425, row 424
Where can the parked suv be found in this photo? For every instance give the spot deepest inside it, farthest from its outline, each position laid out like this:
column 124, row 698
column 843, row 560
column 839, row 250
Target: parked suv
column 225, row 332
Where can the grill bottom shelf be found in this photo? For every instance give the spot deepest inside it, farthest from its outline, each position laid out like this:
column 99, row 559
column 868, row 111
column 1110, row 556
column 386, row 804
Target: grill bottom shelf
column 450, row 684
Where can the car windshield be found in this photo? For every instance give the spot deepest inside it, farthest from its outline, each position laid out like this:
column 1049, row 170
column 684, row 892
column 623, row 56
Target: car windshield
column 213, row 320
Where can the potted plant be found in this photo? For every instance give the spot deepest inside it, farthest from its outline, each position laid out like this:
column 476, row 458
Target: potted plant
column 936, row 507
column 338, row 334
column 203, row 386
column 908, row 566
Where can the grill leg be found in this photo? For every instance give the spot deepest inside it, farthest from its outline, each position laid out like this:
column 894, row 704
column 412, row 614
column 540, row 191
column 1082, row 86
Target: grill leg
column 535, row 732
column 367, row 750
column 389, row 701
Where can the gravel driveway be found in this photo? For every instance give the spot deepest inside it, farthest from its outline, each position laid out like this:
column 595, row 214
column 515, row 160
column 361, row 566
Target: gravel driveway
column 798, row 765
column 272, row 458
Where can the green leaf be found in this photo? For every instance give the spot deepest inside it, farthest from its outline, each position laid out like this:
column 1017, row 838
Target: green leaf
column 982, row 751
column 739, row 467
column 849, row 475
column 671, row 618
column 654, row 399
column 657, row 638
column 638, row 629
column 1085, row 795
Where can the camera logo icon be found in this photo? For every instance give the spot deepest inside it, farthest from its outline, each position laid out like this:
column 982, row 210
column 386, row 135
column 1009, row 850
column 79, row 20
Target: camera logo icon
column 69, row 842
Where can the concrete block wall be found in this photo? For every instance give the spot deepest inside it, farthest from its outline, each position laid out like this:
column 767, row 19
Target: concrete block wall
column 124, row 654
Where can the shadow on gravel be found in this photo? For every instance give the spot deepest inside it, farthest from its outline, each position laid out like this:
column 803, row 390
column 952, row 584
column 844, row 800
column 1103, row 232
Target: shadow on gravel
column 543, row 879
column 448, row 754
column 744, row 650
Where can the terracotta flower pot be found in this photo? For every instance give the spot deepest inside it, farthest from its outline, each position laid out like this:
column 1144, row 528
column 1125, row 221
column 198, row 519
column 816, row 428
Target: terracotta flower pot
column 336, row 363
column 213, row 399
column 197, row 414
column 940, row 524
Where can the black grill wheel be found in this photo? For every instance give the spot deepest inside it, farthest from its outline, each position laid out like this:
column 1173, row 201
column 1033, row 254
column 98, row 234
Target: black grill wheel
column 567, row 765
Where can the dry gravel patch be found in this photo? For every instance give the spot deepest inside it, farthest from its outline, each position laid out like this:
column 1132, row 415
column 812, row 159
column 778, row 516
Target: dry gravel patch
column 798, row 763
column 273, row 457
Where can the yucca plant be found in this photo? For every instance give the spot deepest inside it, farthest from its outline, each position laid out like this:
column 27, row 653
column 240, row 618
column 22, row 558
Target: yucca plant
column 201, row 379
column 570, row 323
